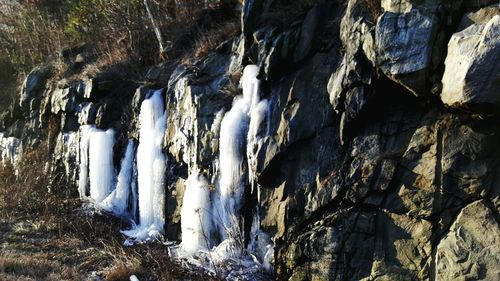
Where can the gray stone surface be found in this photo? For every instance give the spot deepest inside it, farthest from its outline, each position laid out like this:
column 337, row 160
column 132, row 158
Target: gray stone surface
column 472, row 73
column 469, row 251
column 403, row 42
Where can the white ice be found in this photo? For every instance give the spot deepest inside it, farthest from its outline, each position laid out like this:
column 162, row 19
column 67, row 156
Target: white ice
column 231, row 187
column 101, row 169
column 238, row 126
column 151, row 170
column 119, row 200
column 214, row 218
column 10, row 149
column 196, row 220
column 257, row 132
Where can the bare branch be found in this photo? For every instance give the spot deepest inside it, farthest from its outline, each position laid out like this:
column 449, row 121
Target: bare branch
column 155, row 27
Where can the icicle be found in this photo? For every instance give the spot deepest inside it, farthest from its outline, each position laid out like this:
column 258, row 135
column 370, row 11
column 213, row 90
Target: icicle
column 10, row 150
column 238, row 129
column 151, row 169
column 232, row 142
column 268, row 258
column 196, row 220
column 240, row 139
column 101, row 169
column 67, row 150
column 250, row 85
column 260, row 243
column 118, row 201
column 255, row 138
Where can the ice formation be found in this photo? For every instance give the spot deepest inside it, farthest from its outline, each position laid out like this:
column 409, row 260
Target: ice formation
column 231, row 187
column 150, row 169
column 101, row 169
column 66, row 151
column 10, row 149
column 84, row 132
column 196, row 220
column 211, row 222
column 256, row 137
column 238, row 126
column 242, row 132
column 119, row 200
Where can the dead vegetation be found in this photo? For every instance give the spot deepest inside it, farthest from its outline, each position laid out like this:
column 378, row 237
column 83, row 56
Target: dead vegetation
column 45, row 236
column 116, row 34
column 209, row 40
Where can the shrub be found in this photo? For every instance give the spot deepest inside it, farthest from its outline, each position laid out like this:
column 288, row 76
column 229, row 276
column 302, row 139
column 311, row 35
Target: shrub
column 118, row 32
column 28, row 35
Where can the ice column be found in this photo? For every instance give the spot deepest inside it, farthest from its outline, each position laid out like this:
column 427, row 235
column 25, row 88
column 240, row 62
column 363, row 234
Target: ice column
column 233, row 141
column 196, row 220
column 151, row 169
column 101, row 169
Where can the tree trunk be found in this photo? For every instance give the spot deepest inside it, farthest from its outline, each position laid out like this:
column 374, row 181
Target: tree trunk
column 155, row 27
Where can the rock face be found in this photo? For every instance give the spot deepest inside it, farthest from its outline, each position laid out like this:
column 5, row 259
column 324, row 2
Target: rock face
column 403, row 43
column 469, row 251
column 472, row 74
column 361, row 173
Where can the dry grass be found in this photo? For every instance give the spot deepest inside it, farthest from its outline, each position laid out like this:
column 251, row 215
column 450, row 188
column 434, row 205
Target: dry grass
column 34, row 267
column 118, row 34
column 45, row 236
column 209, row 40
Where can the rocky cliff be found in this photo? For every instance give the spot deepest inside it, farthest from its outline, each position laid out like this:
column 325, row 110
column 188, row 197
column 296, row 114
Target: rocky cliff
column 380, row 158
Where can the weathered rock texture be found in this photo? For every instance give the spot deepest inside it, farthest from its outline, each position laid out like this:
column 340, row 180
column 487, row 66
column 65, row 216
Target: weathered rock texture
column 469, row 251
column 472, row 74
column 363, row 174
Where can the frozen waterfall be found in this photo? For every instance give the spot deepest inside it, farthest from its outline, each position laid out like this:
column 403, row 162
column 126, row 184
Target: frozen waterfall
column 84, row 133
column 231, row 187
column 234, row 135
column 196, row 220
column 10, row 150
column 118, row 201
column 96, row 162
column 101, row 169
column 151, row 168
column 243, row 130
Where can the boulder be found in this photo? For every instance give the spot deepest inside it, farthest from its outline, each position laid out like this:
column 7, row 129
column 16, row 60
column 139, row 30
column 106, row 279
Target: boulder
column 469, row 251
column 403, row 43
column 472, row 72
column 481, row 16
column 33, row 87
column 352, row 244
